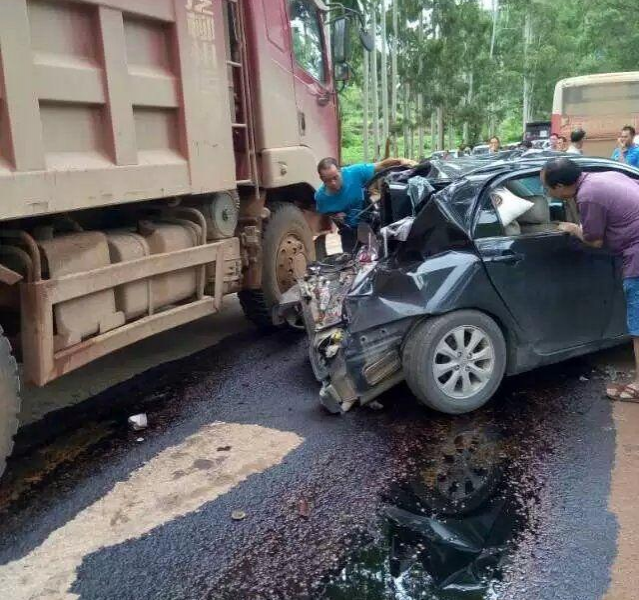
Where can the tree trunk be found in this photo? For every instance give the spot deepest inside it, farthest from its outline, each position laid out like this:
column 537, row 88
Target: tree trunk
column 419, row 111
column 433, row 130
column 385, row 118
column 469, row 101
column 440, row 128
column 493, row 37
column 375, row 90
column 527, row 92
column 407, row 148
column 394, row 74
column 419, row 102
column 366, row 106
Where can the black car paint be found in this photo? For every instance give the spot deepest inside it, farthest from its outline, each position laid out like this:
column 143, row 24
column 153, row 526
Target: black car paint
column 441, row 268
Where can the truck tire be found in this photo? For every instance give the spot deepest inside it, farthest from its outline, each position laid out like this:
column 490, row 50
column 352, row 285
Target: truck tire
column 287, row 248
column 9, row 400
column 455, row 363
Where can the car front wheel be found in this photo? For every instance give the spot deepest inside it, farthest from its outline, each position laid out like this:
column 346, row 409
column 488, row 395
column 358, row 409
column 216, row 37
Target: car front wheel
column 455, row 363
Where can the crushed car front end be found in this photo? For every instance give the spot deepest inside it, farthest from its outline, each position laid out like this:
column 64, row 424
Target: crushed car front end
column 358, row 312
column 352, row 366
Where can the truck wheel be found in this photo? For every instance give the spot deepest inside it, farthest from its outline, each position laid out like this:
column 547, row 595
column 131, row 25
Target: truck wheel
column 455, row 363
column 287, row 247
column 9, row 400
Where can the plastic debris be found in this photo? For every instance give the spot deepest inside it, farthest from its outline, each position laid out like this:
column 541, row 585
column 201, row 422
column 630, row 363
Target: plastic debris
column 139, row 440
column 238, row 515
column 139, row 421
column 582, row 378
column 325, row 287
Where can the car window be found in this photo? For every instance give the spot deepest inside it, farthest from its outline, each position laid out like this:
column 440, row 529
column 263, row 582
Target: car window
column 542, row 217
column 308, row 44
column 488, row 223
column 526, row 186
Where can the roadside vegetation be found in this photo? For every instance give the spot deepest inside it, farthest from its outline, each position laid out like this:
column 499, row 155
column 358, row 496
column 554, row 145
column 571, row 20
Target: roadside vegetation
column 452, row 72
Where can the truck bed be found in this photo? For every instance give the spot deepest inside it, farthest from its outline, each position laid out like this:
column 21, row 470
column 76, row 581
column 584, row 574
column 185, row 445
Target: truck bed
column 111, row 101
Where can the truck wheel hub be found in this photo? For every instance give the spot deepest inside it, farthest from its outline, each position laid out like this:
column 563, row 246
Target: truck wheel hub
column 291, row 262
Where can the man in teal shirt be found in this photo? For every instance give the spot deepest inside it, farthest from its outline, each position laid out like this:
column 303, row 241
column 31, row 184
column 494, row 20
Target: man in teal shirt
column 341, row 194
column 627, row 151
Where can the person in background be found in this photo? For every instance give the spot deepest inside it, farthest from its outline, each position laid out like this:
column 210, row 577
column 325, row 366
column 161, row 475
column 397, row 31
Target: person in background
column 562, row 144
column 608, row 205
column 576, row 142
column 627, row 151
column 525, row 145
column 341, row 194
column 494, row 145
column 553, row 142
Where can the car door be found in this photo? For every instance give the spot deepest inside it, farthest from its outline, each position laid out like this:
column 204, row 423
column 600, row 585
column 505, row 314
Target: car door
column 558, row 290
column 315, row 96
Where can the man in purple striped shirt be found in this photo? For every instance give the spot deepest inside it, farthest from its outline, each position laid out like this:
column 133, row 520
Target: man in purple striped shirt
column 608, row 205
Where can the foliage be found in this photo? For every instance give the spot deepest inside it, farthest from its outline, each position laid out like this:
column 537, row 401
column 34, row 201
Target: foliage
column 452, row 48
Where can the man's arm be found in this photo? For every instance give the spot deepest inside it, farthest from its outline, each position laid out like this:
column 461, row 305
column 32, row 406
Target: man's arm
column 393, row 162
column 593, row 224
column 576, row 231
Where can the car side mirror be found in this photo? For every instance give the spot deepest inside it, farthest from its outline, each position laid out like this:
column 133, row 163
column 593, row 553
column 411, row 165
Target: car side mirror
column 341, row 40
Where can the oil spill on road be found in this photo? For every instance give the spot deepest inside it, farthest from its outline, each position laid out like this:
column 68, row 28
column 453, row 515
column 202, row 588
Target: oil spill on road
column 492, row 505
column 382, row 491
column 447, row 531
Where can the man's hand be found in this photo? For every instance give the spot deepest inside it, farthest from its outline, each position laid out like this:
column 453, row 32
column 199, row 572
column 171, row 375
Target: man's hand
column 340, row 216
column 571, row 228
column 407, row 162
column 393, row 162
column 576, row 231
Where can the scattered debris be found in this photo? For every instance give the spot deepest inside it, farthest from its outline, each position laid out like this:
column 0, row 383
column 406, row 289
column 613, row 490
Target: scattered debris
column 304, row 508
column 375, row 405
column 224, row 448
column 582, row 378
column 238, row 515
column 139, row 440
column 139, row 422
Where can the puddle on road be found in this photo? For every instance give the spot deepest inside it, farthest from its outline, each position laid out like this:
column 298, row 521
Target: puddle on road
column 447, row 530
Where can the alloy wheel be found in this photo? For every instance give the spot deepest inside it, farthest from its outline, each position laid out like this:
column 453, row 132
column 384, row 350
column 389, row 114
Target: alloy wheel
column 463, row 362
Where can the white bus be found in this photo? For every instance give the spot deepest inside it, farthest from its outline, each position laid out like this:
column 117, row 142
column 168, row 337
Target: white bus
column 600, row 105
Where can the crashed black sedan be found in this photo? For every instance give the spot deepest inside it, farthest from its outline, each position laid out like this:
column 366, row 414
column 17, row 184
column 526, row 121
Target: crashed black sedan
column 448, row 296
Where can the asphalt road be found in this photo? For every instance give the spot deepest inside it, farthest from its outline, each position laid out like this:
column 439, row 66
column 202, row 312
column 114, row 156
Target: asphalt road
column 243, row 488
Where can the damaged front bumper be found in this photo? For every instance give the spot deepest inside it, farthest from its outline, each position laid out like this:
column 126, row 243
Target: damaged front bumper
column 352, row 367
column 358, row 372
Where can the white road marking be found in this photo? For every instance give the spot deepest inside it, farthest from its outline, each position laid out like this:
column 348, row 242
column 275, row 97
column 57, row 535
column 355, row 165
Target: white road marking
column 176, row 482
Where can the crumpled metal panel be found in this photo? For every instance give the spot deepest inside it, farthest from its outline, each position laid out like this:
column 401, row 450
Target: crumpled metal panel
column 448, row 281
column 436, row 270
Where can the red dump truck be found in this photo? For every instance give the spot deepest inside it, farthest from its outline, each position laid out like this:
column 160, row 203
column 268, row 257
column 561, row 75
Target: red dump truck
column 155, row 156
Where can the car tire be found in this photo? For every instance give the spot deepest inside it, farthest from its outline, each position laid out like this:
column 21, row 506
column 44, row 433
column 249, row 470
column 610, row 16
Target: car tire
column 442, row 379
column 285, row 227
column 9, row 400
